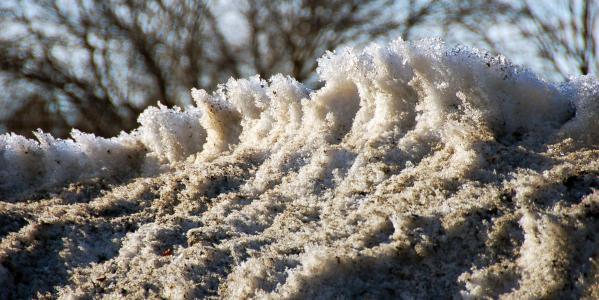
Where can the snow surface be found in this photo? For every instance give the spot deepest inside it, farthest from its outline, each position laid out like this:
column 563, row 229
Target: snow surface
column 418, row 171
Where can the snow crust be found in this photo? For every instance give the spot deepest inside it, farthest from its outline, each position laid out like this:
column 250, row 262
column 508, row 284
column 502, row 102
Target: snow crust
column 417, row 170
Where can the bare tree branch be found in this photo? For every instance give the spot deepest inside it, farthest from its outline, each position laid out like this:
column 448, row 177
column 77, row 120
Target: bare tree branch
column 98, row 63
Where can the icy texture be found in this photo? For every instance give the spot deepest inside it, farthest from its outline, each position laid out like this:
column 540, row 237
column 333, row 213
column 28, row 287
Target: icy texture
column 417, row 171
column 28, row 164
column 172, row 134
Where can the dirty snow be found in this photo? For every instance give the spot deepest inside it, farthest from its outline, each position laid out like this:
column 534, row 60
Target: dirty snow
column 418, row 170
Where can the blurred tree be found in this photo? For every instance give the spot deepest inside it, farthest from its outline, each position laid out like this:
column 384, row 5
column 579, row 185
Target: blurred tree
column 96, row 64
column 567, row 36
column 563, row 35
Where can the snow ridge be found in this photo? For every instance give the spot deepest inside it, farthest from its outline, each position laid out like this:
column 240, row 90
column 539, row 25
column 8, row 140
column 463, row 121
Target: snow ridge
column 421, row 91
column 418, row 170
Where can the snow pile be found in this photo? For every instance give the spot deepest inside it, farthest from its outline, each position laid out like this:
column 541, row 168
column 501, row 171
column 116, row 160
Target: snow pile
column 28, row 164
column 171, row 134
column 418, row 170
column 165, row 135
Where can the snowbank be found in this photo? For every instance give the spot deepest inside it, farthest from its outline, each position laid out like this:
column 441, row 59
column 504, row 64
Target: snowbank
column 418, row 170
